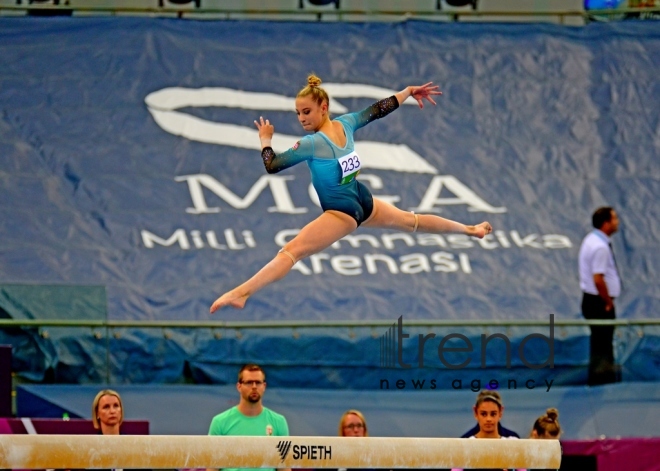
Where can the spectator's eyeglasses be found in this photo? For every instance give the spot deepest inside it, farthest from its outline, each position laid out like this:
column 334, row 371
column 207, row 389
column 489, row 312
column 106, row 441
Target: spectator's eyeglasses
column 354, row 426
column 252, row 383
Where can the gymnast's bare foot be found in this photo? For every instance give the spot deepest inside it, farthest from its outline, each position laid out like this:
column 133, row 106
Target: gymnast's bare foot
column 480, row 230
column 232, row 298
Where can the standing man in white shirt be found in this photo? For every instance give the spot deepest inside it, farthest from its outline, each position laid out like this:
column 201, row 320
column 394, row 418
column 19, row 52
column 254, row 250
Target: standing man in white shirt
column 600, row 284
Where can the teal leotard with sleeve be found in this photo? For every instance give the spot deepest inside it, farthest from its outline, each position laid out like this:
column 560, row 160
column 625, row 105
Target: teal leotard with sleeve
column 321, row 154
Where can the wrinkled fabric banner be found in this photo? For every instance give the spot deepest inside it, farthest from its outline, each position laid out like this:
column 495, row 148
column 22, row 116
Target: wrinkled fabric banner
column 128, row 159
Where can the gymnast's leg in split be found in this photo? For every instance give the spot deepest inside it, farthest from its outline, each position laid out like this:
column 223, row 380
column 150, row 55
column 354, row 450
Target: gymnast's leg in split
column 387, row 216
column 330, row 227
column 319, row 234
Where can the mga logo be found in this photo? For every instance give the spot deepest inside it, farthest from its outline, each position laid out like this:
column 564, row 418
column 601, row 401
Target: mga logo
column 283, row 448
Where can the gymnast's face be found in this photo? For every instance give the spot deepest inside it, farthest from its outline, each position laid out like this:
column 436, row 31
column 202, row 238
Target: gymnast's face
column 311, row 115
column 488, row 415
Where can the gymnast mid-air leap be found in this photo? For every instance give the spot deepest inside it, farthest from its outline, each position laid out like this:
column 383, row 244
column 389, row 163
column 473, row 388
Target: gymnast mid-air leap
column 334, row 165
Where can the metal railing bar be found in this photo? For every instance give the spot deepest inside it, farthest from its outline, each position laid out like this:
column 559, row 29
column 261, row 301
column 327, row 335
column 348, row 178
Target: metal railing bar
column 6, row 323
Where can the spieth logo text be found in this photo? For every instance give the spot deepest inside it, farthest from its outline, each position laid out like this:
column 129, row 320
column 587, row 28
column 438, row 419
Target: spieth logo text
column 283, row 448
column 300, row 452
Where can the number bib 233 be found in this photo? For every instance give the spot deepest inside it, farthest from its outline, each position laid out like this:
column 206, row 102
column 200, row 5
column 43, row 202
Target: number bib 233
column 350, row 167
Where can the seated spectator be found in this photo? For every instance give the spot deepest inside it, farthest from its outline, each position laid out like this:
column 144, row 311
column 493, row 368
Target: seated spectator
column 353, row 424
column 108, row 415
column 107, row 412
column 547, row 426
column 504, row 432
column 250, row 418
column 488, row 412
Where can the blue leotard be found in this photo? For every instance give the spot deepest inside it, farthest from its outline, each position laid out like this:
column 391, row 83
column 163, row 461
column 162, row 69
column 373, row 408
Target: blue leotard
column 321, row 155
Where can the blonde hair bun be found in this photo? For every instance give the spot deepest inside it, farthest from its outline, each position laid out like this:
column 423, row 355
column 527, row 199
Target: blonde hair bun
column 313, row 81
column 314, row 90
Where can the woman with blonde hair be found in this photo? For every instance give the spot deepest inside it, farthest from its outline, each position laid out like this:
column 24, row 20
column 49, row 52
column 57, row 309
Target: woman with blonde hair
column 547, row 426
column 107, row 412
column 353, row 424
column 334, row 165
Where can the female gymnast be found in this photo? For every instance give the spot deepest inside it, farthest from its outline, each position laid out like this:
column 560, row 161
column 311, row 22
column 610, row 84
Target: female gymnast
column 334, row 165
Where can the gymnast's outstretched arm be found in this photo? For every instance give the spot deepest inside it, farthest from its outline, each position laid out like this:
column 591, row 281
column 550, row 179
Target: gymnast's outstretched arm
column 419, row 93
column 383, row 107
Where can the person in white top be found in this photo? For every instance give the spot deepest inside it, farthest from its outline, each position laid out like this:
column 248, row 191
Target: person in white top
column 600, row 284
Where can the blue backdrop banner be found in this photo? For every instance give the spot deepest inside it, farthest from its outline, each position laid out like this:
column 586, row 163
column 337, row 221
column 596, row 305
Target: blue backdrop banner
column 129, row 161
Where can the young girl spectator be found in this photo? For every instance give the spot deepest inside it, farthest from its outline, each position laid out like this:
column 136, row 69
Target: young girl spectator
column 488, row 413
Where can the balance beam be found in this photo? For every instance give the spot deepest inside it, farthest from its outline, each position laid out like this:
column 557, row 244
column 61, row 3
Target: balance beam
column 188, row 451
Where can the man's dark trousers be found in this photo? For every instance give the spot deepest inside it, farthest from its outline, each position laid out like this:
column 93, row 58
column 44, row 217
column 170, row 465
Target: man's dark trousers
column 601, row 352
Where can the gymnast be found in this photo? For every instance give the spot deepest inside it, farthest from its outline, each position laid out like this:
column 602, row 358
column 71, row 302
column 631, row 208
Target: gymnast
column 334, row 165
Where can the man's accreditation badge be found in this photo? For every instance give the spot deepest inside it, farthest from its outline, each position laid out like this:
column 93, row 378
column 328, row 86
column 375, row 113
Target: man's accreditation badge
column 269, row 430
